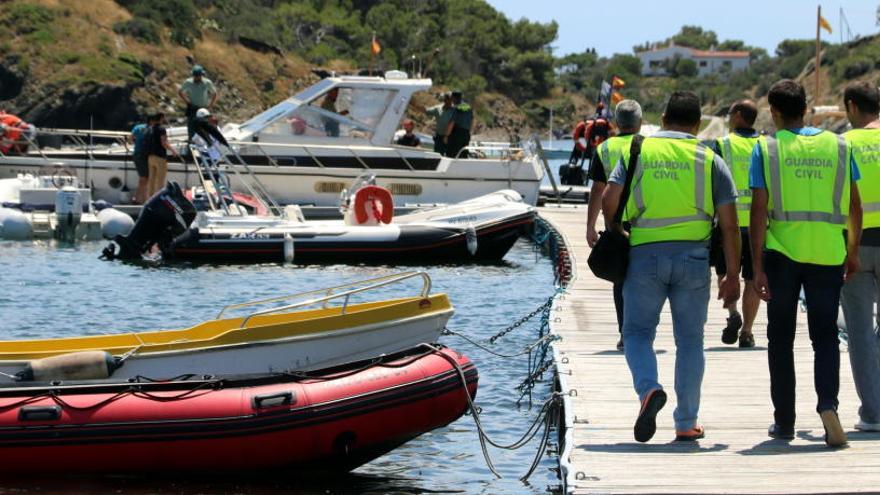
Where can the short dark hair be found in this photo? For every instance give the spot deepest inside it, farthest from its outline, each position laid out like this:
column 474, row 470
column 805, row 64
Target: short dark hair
column 683, row 108
column 865, row 95
column 788, row 98
column 747, row 109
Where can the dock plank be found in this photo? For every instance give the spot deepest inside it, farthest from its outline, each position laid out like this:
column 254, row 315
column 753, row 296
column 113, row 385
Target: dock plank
column 736, row 456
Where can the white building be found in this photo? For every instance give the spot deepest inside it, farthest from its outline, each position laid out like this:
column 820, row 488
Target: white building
column 654, row 62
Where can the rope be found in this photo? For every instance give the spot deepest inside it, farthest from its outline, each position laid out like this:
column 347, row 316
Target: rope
column 526, row 350
column 544, row 417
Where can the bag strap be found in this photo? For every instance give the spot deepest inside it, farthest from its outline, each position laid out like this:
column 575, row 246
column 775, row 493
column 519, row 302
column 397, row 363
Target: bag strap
column 635, row 150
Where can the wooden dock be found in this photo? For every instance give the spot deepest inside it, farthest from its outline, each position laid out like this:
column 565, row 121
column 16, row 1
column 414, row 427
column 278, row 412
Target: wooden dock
column 736, row 456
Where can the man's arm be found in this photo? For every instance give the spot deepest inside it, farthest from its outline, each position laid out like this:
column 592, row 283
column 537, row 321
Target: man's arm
column 165, row 144
column 728, row 289
column 610, row 201
column 183, row 96
column 214, row 95
column 853, row 231
column 757, row 234
column 593, row 212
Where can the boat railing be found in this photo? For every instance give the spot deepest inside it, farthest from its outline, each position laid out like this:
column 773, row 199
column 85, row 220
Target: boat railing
column 506, row 153
column 343, row 292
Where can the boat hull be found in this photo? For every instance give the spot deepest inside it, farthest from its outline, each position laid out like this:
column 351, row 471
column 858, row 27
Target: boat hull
column 335, row 420
column 408, row 244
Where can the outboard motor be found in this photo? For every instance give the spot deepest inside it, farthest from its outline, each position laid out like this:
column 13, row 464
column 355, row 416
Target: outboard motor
column 165, row 216
column 68, row 211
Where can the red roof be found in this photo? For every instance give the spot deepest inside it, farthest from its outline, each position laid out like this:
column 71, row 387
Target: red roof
column 719, row 54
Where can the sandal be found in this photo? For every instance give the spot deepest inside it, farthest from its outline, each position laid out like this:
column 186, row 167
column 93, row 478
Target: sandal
column 734, row 323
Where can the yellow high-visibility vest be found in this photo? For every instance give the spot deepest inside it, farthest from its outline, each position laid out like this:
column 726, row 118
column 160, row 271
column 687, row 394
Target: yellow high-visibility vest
column 671, row 197
column 865, row 146
column 737, row 151
column 808, row 182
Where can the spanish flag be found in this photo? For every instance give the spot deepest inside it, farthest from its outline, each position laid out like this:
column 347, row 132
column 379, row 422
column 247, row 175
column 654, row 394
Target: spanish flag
column 824, row 24
column 375, row 47
column 616, row 98
column 617, row 82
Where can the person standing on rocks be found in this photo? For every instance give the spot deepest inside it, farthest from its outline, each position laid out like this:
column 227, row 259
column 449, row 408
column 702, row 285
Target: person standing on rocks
column 197, row 92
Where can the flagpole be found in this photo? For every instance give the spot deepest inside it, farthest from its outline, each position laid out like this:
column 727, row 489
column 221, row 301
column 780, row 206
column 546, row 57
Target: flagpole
column 818, row 48
column 372, row 53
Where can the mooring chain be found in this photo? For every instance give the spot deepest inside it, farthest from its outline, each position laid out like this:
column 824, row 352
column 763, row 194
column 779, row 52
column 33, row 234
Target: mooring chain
column 544, row 307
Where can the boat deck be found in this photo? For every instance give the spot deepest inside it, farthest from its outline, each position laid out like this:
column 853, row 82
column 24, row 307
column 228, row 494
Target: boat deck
column 736, row 456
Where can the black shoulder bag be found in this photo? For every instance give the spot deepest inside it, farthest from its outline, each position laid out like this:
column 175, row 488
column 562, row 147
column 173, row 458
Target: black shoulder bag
column 610, row 256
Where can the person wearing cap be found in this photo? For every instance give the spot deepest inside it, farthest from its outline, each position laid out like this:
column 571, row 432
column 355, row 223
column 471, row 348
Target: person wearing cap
column 197, row 92
column 443, row 114
column 458, row 130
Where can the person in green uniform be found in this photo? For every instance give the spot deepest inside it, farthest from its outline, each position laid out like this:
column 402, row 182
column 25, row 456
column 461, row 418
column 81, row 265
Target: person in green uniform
column 628, row 117
column 862, row 102
column 803, row 182
column 458, row 130
column 196, row 92
column 736, row 150
column 443, row 114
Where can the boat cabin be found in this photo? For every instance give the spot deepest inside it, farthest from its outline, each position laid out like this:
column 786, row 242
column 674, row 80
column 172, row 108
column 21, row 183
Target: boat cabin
column 348, row 110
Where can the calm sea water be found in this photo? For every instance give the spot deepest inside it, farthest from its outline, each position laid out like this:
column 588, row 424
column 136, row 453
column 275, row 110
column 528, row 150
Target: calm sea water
column 50, row 290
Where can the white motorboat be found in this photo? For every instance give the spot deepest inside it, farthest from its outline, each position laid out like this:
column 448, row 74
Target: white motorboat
column 307, row 151
column 55, row 206
column 308, row 331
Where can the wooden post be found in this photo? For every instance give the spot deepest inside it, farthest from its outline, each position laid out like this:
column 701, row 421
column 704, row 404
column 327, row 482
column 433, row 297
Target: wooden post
column 818, row 50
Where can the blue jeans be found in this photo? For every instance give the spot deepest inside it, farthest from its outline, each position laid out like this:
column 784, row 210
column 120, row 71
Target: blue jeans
column 678, row 272
column 857, row 298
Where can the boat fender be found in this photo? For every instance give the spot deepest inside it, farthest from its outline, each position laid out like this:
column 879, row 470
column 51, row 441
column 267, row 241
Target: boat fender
column 368, row 197
column 471, row 236
column 288, row 248
column 114, row 223
column 15, row 225
column 85, row 365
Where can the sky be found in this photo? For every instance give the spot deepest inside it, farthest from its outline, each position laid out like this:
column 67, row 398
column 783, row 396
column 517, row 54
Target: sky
column 616, row 26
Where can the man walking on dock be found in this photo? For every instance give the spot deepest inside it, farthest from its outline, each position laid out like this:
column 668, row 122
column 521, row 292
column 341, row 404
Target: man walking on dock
column 736, row 151
column 862, row 102
column 806, row 179
column 678, row 186
column 628, row 116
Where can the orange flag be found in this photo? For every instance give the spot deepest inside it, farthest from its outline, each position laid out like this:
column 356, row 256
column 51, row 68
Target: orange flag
column 616, row 98
column 375, row 47
column 617, row 82
column 824, row 24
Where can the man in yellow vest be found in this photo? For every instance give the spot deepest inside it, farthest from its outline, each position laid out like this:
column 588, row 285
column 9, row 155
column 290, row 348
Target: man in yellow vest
column 628, row 117
column 803, row 180
column 862, row 102
column 736, row 150
column 678, row 187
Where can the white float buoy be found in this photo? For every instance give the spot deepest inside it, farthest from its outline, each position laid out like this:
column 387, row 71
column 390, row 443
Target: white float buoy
column 15, row 225
column 288, row 248
column 114, row 222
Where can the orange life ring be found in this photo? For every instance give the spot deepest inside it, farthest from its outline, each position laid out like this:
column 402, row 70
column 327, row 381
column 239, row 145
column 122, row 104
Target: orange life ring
column 13, row 127
column 380, row 203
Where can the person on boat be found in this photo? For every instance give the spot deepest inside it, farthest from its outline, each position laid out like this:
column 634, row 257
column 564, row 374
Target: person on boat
column 408, row 138
column 736, row 150
column 157, row 154
column 443, row 115
column 331, row 125
column 803, row 181
column 197, row 92
column 458, row 130
column 628, row 116
column 862, row 103
column 679, row 186
column 139, row 155
column 598, row 131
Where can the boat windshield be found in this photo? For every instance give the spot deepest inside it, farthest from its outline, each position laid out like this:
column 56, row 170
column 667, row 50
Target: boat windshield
column 341, row 112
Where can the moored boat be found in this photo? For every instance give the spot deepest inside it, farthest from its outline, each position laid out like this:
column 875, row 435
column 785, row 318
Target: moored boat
column 334, row 420
column 308, row 331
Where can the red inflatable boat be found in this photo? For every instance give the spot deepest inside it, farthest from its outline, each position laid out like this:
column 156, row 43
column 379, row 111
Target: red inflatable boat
column 332, row 421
